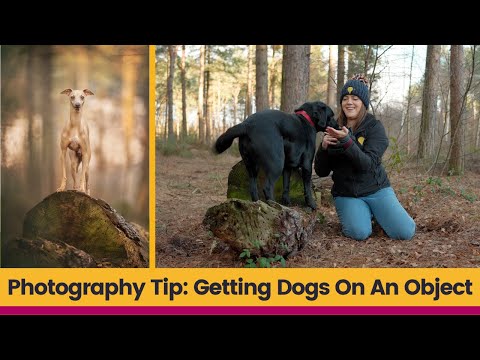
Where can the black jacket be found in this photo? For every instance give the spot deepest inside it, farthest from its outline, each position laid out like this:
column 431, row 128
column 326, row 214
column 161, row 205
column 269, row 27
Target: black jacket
column 356, row 161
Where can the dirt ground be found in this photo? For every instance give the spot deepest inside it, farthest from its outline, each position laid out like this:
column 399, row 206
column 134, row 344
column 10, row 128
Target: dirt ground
column 445, row 209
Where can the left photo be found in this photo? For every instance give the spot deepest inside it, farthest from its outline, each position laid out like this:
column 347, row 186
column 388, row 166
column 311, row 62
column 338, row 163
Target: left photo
column 74, row 156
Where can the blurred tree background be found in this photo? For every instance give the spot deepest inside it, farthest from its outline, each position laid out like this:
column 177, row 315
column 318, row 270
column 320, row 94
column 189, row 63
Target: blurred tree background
column 427, row 96
column 33, row 112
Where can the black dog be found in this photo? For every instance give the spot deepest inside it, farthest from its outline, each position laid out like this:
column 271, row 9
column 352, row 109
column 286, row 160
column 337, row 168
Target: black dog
column 276, row 141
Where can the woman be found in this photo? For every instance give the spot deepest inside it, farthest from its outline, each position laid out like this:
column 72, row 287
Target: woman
column 361, row 189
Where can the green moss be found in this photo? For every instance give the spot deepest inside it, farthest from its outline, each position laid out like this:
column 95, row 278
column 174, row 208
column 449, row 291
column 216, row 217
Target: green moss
column 238, row 185
column 78, row 220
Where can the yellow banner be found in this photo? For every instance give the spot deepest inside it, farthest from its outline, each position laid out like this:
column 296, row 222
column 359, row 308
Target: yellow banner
column 239, row 287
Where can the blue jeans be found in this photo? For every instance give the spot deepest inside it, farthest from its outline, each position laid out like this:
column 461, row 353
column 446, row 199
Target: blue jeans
column 356, row 215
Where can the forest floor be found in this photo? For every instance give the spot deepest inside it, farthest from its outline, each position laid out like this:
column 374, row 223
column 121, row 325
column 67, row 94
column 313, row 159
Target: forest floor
column 446, row 210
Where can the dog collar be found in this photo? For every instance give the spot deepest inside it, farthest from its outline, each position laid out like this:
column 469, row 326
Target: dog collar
column 306, row 116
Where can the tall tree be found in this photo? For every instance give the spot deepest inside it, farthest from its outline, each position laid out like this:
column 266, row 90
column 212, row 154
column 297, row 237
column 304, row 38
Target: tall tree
column 368, row 54
column 201, row 84
column 261, row 73
column 331, row 93
column 406, row 122
column 48, row 128
column 248, row 101
column 34, row 152
column 184, row 95
column 295, row 76
column 456, row 161
column 130, row 60
column 340, row 71
column 172, row 56
column 426, row 140
column 476, row 116
column 351, row 63
column 206, row 97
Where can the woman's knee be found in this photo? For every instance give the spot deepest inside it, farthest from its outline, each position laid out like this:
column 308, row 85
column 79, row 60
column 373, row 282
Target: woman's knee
column 357, row 232
column 404, row 232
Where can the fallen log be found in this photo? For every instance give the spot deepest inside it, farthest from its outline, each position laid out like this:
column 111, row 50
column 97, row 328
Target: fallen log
column 83, row 223
column 265, row 229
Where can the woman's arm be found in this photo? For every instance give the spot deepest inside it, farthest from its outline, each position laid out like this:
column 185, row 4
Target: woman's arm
column 376, row 142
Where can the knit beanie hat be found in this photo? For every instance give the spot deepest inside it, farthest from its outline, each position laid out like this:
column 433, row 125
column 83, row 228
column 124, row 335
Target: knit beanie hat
column 358, row 86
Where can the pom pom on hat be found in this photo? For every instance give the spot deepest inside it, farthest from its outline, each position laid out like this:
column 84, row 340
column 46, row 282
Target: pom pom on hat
column 358, row 86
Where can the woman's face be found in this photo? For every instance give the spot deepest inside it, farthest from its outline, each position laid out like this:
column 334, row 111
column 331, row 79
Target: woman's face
column 351, row 106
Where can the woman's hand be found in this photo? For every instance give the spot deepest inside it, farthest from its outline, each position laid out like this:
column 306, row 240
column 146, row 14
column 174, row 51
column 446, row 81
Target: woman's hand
column 328, row 140
column 337, row 134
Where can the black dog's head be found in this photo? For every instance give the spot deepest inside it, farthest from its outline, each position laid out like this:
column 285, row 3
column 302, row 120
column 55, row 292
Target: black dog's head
column 321, row 114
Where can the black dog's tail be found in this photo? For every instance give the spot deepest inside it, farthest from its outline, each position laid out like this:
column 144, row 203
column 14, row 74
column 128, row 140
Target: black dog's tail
column 225, row 140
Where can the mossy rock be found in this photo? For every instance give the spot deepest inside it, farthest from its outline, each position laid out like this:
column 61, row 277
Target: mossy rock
column 238, row 184
column 90, row 225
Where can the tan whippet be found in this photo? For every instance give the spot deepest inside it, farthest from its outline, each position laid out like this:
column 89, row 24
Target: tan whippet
column 75, row 136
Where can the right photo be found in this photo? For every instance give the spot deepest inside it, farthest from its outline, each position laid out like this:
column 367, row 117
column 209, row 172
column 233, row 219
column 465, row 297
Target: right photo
column 317, row 156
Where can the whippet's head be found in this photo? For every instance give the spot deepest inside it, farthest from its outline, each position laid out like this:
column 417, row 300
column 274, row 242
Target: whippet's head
column 77, row 97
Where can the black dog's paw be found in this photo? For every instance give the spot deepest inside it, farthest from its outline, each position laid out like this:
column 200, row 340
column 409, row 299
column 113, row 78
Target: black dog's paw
column 311, row 204
column 286, row 201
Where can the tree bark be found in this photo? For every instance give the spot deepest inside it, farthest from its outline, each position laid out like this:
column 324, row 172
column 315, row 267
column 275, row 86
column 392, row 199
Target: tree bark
column 248, row 101
column 184, row 96
column 261, row 73
column 456, row 161
column 265, row 229
column 172, row 51
column 477, row 119
column 295, row 76
column 340, row 72
column 201, row 80
column 206, row 98
column 331, row 77
column 426, row 140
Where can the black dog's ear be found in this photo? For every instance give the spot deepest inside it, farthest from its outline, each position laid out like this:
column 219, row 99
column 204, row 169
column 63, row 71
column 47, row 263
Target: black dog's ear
column 319, row 113
column 330, row 119
column 325, row 116
column 302, row 107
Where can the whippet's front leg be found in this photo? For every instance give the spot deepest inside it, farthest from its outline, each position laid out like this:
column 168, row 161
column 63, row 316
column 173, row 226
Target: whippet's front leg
column 85, row 162
column 87, row 186
column 63, row 162
column 84, row 177
column 74, row 163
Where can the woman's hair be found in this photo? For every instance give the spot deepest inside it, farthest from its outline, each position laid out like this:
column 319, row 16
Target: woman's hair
column 342, row 119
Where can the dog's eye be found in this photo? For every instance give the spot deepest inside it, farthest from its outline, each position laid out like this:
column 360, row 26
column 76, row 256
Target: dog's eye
column 82, row 97
column 72, row 97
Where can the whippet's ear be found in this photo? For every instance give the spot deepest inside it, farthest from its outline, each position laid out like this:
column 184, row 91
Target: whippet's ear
column 87, row 92
column 67, row 91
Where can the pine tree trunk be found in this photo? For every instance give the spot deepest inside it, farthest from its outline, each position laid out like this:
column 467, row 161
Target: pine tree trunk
column 184, row 97
column 340, row 72
column 261, row 84
column 206, row 97
column 331, row 77
column 201, row 80
column 426, row 139
column 456, row 161
column 248, row 101
column 172, row 51
column 295, row 76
